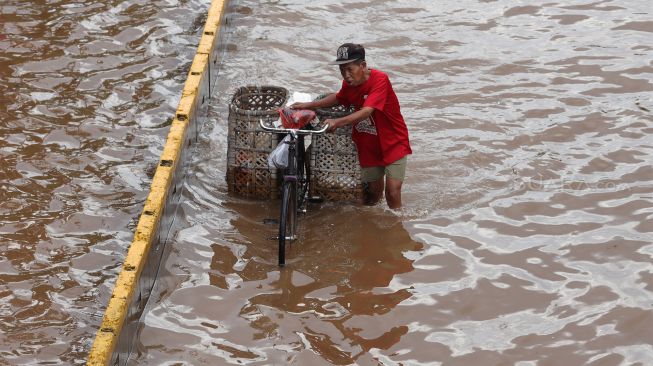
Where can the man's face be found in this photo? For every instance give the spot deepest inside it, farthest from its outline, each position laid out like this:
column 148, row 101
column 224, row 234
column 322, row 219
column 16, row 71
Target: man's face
column 353, row 73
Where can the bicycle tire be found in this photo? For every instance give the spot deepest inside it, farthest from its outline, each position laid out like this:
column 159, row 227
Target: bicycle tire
column 287, row 220
column 302, row 177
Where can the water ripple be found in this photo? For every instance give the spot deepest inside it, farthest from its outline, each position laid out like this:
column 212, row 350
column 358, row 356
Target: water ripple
column 87, row 92
column 529, row 195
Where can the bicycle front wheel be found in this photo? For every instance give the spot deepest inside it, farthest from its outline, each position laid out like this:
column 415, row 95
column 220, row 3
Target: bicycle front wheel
column 288, row 219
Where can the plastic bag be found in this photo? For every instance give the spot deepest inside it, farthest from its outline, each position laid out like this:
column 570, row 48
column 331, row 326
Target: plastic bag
column 295, row 118
column 278, row 158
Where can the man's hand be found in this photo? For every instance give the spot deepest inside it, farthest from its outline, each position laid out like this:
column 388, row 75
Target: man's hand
column 331, row 123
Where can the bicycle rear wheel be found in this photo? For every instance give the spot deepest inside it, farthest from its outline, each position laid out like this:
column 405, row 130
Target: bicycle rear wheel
column 288, row 219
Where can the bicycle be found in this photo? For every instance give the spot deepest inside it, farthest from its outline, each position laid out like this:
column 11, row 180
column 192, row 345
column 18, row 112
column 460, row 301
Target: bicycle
column 294, row 190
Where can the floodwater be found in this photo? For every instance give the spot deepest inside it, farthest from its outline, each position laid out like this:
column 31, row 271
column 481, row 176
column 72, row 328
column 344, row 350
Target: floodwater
column 526, row 233
column 87, row 91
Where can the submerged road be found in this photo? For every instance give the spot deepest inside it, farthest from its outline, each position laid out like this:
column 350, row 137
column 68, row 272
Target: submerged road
column 526, row 233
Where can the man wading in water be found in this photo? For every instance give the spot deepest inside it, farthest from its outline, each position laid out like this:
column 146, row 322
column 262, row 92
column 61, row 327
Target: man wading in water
column 379, row 132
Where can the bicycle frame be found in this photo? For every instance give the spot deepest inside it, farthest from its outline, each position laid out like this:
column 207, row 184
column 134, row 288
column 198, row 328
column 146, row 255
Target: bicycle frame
column 295, row 185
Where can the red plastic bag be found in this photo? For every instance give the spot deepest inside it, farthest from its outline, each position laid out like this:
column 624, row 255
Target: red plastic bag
column 295, row 118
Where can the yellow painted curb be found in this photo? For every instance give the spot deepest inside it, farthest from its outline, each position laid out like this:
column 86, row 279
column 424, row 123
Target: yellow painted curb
column 196, row 74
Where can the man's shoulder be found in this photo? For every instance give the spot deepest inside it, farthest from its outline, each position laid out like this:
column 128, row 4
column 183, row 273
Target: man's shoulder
column 378, row 73
column 378, row 76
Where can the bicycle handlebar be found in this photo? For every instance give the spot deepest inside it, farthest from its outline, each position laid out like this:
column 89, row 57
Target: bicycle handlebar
column 290, row 130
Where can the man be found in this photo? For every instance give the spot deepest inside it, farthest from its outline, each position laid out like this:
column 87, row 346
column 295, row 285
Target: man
column 379, row 131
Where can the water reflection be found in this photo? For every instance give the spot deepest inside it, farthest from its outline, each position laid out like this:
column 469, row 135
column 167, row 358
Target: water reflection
column 316, row 305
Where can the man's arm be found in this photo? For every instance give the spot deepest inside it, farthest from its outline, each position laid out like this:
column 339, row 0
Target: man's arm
column 328, row 101
column 349, row 119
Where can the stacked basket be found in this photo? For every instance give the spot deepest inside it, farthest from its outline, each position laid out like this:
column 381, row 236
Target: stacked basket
column 248, row 174
column 335, row 171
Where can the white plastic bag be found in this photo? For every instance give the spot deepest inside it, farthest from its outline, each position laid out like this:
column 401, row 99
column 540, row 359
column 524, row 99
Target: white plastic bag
column 278, row 158
column 299, row 97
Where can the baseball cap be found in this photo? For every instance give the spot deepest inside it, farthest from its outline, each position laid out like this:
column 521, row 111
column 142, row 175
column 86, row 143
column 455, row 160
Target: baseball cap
column 349, row 52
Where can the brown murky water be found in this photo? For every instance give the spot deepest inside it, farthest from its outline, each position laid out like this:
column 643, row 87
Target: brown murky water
column 526, row 236
column 86, row 92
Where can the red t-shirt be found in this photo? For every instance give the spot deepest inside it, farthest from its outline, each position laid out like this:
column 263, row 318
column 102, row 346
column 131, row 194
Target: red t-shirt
column 381, row 139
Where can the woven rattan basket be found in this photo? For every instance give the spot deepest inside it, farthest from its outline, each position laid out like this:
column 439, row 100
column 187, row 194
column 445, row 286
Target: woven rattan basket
column 335, row 171
column 248, row 148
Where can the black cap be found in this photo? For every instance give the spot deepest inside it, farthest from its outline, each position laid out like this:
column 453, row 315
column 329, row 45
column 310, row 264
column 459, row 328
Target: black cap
column 349, row 52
